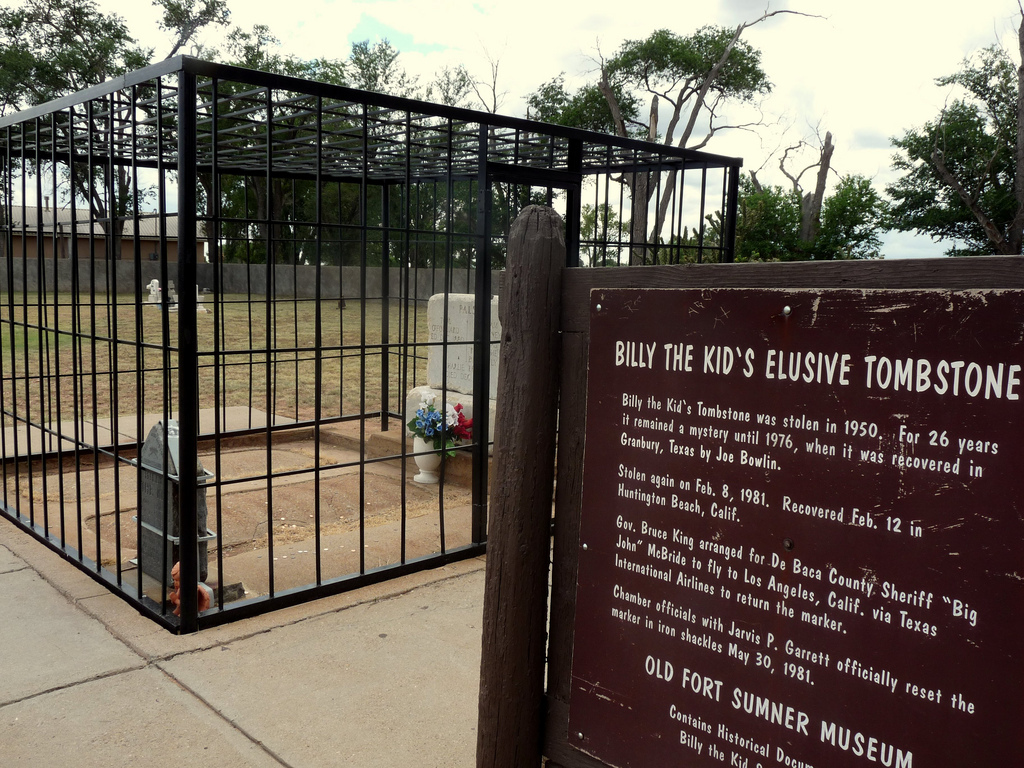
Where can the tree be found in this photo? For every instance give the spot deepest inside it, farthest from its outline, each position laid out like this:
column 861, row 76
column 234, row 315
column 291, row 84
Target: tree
column 963, row 173
column 183, row 19
column 451, row 86
column 767, row 223
column 586, row 108
column 852, row 218
column 600, row 232
column 810, row 202
column 693, row 77
column 376, row 68
column 51, row 48
column 770, row 223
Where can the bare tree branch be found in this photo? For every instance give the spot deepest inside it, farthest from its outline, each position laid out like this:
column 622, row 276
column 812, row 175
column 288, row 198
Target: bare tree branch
column 950, row 180
column 613, row 103
column 492, row 103
column 810, row 209
column 716, row 70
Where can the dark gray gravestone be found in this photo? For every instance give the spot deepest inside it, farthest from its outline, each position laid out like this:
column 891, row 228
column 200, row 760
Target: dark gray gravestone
column 159, row 512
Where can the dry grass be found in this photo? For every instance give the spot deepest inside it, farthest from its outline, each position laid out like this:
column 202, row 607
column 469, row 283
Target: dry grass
column 293, row 358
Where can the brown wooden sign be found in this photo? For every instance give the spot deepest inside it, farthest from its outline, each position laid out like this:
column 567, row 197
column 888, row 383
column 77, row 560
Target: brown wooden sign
column 801, row 541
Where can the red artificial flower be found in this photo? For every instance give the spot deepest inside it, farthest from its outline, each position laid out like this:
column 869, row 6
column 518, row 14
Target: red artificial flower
column 463, row 429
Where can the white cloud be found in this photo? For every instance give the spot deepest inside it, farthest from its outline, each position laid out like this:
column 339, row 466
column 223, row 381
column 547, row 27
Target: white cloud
column 865, row 71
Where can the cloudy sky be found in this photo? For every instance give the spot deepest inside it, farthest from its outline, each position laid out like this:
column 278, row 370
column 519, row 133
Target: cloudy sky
column 864, row 70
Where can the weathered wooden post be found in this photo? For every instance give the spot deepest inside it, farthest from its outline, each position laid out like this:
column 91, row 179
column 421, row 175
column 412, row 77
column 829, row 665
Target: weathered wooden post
column 512, row 663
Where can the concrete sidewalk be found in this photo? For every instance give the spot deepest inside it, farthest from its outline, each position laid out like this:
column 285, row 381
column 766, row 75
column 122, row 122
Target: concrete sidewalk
column 384, row 676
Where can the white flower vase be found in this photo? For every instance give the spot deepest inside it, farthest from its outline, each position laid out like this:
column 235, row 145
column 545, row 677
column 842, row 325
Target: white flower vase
column 428, row 463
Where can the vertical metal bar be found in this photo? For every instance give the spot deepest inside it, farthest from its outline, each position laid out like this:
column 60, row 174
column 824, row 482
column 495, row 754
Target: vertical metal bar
column 48, row 353
column 8, row 264
column 385, row 306
column 573, row 205
column 703, row 203
column 364, row 233
column 40, row 289
column 678, row 211
column 656, row 197
column 404, row 269
column 343, row 230
column 219, row 367
column 112, row 344
column 15, row 416
column 248, row 301
column 94, row 337
column 729, row 225
column 269, row 357
column 57, row 338
column 75, row 340
column 188, row 347
column 293, row 256
column 482, row 344
column 24, row 350
column 77, row 355
column 318, row 344
column 140, row 346
column 165, row 338
column 446, row 287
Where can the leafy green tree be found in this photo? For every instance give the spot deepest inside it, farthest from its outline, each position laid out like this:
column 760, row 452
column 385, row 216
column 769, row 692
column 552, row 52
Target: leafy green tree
column 586, row 108
column 51, row 48
column 963, row 172
column 770, row 223
column 692, row 77
column 376, row 68
column 183, row 19
column 451, row 86
column 600, row 231
column 767, row 223
column 852, row 219
column 695, row 75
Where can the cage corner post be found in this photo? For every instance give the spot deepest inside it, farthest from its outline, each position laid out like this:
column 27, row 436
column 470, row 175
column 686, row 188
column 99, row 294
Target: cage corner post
column 188, row 349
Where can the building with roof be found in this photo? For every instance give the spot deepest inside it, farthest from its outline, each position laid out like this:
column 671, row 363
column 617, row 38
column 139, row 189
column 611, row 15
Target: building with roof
column 66, row 232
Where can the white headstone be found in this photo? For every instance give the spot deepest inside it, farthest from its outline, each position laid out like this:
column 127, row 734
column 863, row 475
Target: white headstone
column 450, row 367
column 154, row 291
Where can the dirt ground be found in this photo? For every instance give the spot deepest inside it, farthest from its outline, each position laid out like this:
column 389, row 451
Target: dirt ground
column 306, row 524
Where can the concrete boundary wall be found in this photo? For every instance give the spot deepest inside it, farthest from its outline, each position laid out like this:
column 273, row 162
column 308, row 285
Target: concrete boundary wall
column 288, row 281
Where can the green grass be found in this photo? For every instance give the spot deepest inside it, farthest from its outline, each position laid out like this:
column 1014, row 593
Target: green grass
column 90, row 357
column 26, row 341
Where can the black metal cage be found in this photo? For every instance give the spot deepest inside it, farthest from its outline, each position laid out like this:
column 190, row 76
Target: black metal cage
column 263, row 278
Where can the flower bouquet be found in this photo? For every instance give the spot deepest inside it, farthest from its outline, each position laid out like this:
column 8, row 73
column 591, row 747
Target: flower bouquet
column 442, row 430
